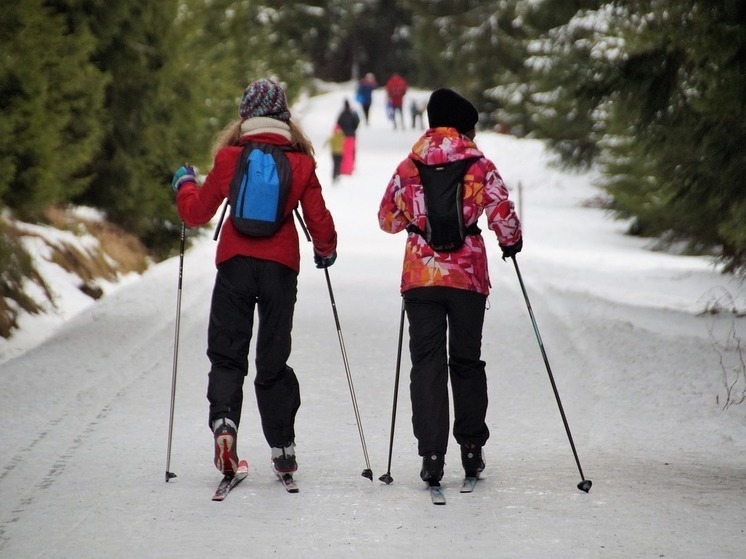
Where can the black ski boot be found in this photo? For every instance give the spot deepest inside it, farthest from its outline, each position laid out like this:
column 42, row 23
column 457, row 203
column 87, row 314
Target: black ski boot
column 283, row 459
column 472, row 460
column 432, row 467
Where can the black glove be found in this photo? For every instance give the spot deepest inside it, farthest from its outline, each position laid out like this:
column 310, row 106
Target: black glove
column 324, row 261
column 511, row 250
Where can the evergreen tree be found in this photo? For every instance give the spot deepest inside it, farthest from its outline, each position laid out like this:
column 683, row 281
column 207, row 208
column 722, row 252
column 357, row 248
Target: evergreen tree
column 148, row 120
column 477, row 48
column 343, row 40
column 443, row 32
column 380, row 40
column 539, row 92
column 50, row 99
column 655, row 91
column 683, row 89
column 234, row 43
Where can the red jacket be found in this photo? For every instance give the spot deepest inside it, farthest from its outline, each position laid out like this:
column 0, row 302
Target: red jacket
column 396, row 88
column 197, row 206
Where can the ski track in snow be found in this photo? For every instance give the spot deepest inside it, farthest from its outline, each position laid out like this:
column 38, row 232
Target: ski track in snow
column 85, row 413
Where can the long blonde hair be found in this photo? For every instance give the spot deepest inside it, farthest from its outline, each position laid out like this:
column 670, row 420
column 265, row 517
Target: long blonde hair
column 231, row 134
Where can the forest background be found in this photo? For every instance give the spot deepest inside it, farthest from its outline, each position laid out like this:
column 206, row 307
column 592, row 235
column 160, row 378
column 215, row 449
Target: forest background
column 100, row 101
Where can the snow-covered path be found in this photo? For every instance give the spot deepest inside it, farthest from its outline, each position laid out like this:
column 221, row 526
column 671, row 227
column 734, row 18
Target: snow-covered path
column 84, row 416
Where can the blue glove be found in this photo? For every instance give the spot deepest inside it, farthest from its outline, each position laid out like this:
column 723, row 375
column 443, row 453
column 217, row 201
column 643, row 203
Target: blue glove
column 511, row 250
column 183, row 174
column 324, row 261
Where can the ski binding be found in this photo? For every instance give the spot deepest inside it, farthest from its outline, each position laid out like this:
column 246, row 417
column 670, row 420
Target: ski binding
column 287, row 480
column 229, row 482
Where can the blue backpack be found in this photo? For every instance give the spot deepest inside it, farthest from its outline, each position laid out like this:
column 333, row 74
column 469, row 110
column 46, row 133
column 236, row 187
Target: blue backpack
column 259, row 189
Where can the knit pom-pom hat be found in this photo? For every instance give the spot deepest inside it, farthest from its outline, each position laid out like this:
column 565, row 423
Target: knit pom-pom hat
column 448, row 108
column 264, row 98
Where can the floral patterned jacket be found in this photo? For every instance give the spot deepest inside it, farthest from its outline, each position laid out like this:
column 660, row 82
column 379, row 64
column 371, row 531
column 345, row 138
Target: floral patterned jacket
column 484, row 192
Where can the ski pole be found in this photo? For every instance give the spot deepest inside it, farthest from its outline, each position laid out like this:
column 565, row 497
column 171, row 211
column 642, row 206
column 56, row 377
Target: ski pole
column 585, row 484
column 220, row 223
column 170, row 474
column 367, row 472
column 386, row 478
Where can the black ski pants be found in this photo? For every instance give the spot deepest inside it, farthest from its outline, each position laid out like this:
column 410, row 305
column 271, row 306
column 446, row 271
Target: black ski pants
column 439, row 316
column 241, row 285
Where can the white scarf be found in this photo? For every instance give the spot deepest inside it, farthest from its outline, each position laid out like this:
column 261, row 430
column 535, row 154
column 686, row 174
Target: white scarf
column 265, row 125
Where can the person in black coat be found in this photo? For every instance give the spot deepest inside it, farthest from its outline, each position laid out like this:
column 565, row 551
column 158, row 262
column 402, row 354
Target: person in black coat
column 348, row 120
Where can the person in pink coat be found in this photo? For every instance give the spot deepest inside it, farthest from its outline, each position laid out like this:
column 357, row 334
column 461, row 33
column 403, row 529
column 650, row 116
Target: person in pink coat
column 445, row 293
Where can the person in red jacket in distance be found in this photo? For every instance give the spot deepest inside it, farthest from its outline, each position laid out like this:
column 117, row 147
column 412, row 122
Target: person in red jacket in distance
column 396, row 89
column 256, row 273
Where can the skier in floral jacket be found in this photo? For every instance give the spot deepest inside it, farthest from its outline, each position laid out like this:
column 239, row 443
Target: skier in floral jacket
column 445, row 293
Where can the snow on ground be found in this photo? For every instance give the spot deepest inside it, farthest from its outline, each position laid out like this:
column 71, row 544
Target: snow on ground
column 69, row 300
column 84, row 414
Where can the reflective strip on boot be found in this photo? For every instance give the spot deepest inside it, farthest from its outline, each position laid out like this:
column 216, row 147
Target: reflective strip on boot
column 226, row 457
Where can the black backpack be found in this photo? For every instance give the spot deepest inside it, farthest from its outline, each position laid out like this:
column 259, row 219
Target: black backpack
column 259, row 189
column 444, row 196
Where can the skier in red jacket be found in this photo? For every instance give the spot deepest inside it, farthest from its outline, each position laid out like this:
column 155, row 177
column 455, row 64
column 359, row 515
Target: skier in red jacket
column 396, row 88
column 256, row 273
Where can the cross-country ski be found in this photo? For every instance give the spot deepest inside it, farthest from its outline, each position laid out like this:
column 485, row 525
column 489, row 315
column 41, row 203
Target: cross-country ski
column 229, row 482
column 286, row 477
column 437, row 495
column 288, row 482
column 468, row 484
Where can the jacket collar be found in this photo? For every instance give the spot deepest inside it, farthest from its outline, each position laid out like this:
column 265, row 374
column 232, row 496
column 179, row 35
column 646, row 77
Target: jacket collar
column 265, row 125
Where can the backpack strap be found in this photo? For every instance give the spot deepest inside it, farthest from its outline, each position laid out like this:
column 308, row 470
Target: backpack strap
column 472, row 229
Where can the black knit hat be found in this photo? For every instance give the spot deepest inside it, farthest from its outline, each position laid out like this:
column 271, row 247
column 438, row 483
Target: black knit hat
column 448, row 108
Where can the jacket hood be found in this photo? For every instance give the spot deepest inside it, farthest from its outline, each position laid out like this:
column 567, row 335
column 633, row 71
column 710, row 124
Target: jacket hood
column 442, row 145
